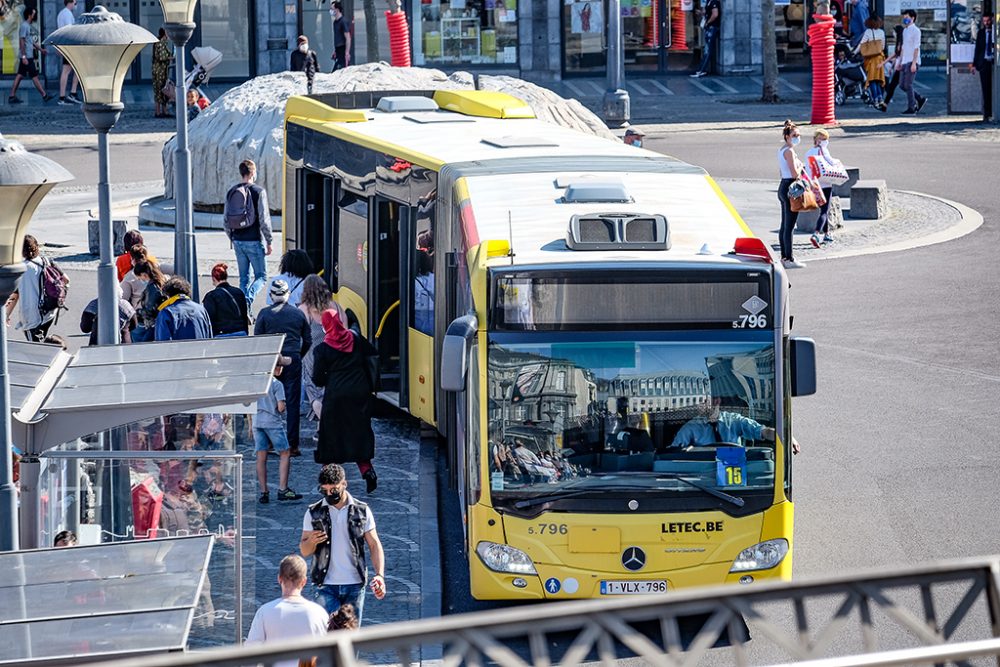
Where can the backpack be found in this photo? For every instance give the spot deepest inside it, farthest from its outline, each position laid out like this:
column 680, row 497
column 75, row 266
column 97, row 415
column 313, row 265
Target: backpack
column 239, row 212
column 53, row 286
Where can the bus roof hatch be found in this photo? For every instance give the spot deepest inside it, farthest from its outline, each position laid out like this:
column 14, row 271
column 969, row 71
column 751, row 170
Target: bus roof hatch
column 618, row 231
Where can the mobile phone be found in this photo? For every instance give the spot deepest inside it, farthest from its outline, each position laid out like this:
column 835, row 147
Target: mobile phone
column 318, row 525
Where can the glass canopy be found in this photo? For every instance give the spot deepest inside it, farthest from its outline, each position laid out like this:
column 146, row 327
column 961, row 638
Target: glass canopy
column 120, row 598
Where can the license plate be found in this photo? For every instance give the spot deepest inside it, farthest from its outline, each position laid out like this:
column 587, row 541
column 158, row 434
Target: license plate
column 633, row 587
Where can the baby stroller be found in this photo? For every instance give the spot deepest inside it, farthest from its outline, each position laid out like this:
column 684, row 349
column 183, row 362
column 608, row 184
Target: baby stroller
column 206, row 59
column 849, row 75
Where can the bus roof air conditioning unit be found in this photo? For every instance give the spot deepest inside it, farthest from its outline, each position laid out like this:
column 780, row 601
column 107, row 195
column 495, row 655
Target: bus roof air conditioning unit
column 596, row 192
column 618, row 231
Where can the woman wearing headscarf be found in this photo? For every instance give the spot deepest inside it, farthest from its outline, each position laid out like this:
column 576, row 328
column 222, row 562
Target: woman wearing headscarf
column 340, row 365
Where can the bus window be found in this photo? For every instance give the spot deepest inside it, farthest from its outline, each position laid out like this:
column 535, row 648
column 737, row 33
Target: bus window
column 423, row 265
column 352, row 255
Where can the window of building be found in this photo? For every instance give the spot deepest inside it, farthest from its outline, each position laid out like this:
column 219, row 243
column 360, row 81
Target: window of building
column 471, row 32
column 225, row 26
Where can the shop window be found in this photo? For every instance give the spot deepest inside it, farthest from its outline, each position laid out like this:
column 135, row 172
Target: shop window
column 584, row 36
column 225, row 25
column 473, row 32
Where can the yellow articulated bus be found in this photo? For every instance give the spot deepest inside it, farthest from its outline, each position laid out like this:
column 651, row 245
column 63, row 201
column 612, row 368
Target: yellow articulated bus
column 591, row 326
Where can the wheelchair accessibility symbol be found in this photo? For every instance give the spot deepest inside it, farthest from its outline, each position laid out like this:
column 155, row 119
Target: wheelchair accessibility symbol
column 552, row 585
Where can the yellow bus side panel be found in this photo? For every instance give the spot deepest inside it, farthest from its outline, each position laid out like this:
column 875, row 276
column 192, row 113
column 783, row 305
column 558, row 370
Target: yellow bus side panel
column 348, row 299
column 421, row 375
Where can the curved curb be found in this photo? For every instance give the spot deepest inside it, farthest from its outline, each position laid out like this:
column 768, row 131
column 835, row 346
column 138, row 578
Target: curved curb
column 970, row 221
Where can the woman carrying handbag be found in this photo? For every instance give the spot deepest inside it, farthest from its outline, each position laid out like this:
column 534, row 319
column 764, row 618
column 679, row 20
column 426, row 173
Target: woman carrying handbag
column 789, row 167
column 872, row 47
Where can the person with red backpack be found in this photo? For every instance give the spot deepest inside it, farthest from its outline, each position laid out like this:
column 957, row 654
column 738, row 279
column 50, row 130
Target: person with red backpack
column 40, row 293
column 248, row 225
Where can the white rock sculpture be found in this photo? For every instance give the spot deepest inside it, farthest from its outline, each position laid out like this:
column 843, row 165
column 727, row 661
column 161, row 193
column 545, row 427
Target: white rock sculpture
column 247, row 121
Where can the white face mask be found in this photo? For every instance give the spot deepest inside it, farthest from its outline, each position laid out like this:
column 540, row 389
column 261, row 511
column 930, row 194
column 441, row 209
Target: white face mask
column 796, row 140
column 824, row 143
column 304, row 48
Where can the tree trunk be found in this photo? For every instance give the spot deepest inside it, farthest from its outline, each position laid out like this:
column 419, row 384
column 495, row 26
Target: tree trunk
column 769, row 44
column 371, row 30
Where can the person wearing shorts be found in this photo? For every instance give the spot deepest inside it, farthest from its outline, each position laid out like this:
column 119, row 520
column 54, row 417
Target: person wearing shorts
column 26, row 67
column 269, row 433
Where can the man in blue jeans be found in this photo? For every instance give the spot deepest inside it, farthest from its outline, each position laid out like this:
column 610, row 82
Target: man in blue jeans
column 712, row 21
column 253, row 242
column 335, row 532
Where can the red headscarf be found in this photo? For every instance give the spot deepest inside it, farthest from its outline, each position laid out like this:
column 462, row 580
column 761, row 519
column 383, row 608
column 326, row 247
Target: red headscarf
column 337, row 335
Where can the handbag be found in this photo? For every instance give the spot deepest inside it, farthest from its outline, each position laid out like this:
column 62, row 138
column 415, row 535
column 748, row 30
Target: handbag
column 370, row 363
column 871, row 48
column 829, row 172
column 805, row 202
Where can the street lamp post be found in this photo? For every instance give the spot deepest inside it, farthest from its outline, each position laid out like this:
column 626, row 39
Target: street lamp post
column 25, row 179
column 616, row 103
column 100, row 47
column 178, row 17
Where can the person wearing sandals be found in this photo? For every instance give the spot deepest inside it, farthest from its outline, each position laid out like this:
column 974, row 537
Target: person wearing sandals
column 821, row 151
column 789, row 167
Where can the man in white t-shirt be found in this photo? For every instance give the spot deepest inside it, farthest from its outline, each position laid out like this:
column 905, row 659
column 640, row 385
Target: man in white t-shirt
column 291, row 615
column 909, row 59
column 335, row 532
column 64, row 19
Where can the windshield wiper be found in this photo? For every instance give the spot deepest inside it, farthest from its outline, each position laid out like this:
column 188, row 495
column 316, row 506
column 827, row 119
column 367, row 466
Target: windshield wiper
column 710, row 490
column 541, row 500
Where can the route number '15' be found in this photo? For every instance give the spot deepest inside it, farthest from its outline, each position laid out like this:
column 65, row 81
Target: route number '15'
column 750, row 322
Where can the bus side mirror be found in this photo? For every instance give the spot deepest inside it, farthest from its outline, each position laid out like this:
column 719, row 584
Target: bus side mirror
column 802, row 358
column 455, row 352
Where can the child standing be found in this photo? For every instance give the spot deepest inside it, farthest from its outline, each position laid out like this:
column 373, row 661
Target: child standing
column 269, row 429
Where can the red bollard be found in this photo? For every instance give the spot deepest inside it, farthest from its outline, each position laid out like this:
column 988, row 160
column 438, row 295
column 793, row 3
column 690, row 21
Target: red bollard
column 678, row 27
column 821, row 41
column 399, row 38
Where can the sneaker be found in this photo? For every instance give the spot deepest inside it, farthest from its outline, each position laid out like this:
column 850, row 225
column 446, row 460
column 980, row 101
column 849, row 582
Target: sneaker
column 698, row 75
column 792, row 264
column 288, row 494
column 47, row 98
column 921, row 101
column 73, row 99
column 814, row 239
column 62, row 102
column 827, row 239
column 14, row 100
column 265, row 498
column 371, row 480
column 909, row 112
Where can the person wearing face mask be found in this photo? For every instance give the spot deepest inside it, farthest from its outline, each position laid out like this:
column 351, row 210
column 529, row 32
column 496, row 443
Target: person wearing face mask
column 909, row 62
column 789, row 166
column 335, row 531
column 341, row 37
column 821, row 151
column 305, row 60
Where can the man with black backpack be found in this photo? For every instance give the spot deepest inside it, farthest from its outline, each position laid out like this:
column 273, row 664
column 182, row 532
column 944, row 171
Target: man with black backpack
column 248, row 225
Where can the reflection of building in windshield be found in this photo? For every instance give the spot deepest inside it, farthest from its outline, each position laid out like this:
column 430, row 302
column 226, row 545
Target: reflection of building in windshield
column 654, row 392
column 744, row 382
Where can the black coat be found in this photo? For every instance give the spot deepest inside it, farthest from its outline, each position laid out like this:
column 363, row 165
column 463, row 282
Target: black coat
column 345, row 426
column 979, row 58
column 227, row 309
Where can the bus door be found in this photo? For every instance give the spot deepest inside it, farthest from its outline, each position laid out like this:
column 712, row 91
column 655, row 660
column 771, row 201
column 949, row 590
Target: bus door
column 421, row 308
column 315, row 216
column 386, row 310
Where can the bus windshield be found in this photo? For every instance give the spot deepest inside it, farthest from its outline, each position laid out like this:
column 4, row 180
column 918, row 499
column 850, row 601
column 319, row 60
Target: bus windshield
column 641, row 412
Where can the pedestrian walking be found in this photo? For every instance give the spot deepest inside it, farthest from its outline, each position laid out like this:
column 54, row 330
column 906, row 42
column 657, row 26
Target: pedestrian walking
column 335, row 532
column 305, row 60
column 982, row 61
column 248, row 225
column 821, row 151
column 27, row 68
column 127, row 320
column 226, row 306
column 161, row 72
column 295, row 266
column 132, row 285
column 34, row 317
column 283, row 318
column 711, row 22
column 341, row 37
column 872, row 47
column 789, row 167
column 316, row 298
column 345, row 424
column 269, row 433
column 893, row 61
column 859, row 16
column 180, row 318
column 909, row 62
column 152, row 297
column 67, row 18
column 291, row 615
column 123, row 262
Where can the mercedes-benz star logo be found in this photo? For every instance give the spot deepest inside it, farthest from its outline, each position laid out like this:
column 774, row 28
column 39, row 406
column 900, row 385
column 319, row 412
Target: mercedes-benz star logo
column 633, row 559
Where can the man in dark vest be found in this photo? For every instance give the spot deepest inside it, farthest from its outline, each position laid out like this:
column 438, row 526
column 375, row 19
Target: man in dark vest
column 335, row 531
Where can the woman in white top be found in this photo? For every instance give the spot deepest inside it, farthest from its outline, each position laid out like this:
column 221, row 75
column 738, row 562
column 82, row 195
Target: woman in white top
column 28, row 294
column 789, row 166
column 873, row 64
column 821, row 151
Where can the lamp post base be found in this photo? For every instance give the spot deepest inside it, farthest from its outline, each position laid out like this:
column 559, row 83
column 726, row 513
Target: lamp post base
column 616, row 108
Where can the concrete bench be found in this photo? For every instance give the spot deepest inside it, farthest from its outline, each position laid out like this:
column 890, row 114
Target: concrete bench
column 869, row 200
column 844, row 190
column 806, row 221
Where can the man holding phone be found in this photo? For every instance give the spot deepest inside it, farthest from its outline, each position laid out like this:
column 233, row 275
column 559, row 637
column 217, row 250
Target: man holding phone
column 335, row 531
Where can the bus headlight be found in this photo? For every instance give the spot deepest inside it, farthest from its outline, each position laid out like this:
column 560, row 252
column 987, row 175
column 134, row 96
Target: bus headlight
column 761, row 556
column 503, row 558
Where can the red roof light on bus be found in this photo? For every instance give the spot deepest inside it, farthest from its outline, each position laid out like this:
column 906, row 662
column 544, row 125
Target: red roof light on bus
column 753, row 247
